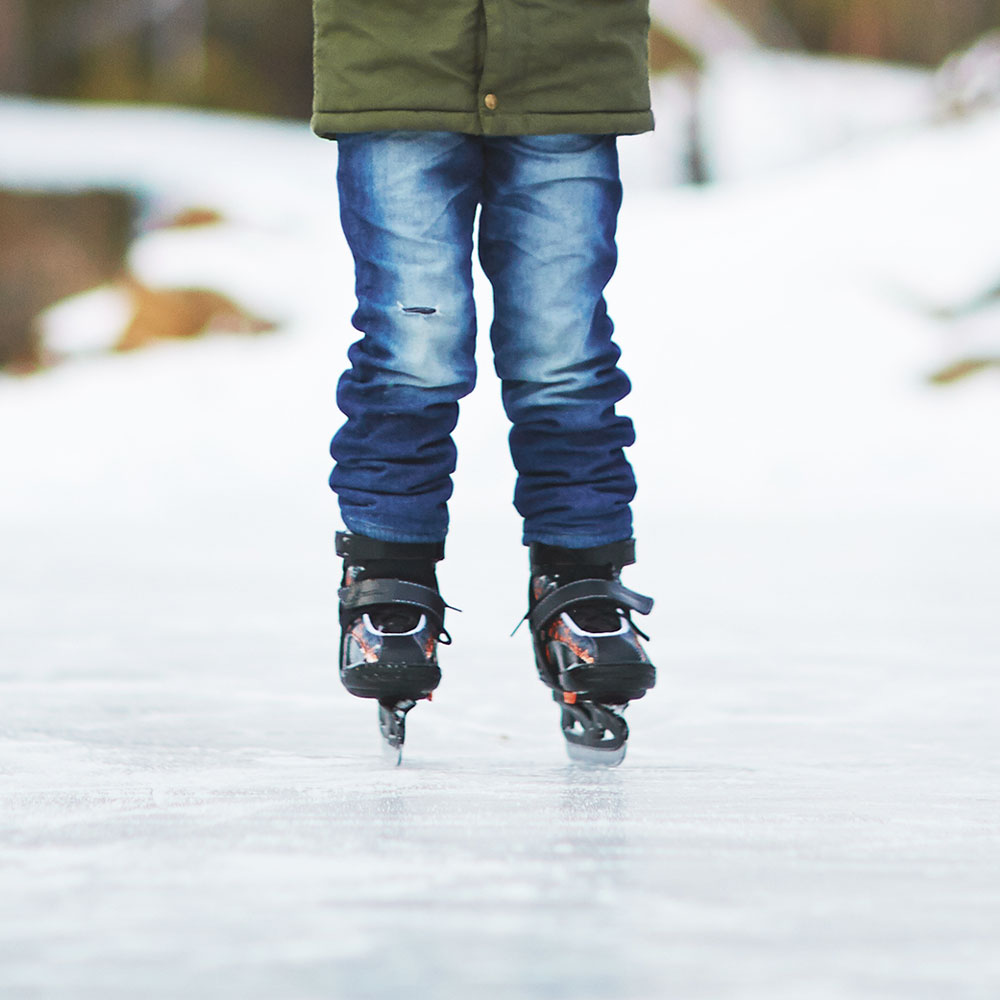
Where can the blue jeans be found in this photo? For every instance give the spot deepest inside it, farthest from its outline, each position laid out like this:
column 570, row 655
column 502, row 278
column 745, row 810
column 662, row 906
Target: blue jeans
column 550, row 204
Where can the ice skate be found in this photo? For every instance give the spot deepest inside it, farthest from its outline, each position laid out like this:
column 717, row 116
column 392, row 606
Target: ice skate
column 392, row 620
column 587, row 648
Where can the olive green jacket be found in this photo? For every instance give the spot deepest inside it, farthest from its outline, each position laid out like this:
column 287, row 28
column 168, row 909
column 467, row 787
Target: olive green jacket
column 485, row 67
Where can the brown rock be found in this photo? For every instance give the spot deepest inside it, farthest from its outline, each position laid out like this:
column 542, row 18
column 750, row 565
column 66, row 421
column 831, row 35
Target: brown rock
column 54, row 244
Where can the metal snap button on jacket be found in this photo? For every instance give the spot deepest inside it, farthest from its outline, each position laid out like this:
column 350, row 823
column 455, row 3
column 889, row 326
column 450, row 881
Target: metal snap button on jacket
column 490, row 100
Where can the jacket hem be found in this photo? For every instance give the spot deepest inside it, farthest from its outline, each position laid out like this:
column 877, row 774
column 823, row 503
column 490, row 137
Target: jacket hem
column 328, row 124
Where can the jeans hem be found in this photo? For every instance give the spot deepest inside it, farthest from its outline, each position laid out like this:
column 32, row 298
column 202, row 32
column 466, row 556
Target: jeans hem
column 384, row 534
column 577, row 541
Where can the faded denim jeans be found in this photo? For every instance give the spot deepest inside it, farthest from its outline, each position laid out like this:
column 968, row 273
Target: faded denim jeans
column 550, row 204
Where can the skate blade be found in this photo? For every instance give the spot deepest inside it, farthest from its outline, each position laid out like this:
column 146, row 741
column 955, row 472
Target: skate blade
column 391, row 756
column 392, row 729
column 596, row 734
column 584, row 756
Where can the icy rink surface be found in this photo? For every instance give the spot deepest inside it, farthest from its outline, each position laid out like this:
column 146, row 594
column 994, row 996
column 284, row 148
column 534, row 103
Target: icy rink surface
column 190, row 806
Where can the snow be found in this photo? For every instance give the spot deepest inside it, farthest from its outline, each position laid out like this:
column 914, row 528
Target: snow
column 757, row 111
column 813, row 105
column 191, row 806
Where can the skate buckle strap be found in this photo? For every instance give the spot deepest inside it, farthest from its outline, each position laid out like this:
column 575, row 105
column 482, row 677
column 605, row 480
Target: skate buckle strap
column 582, row 591
column 544, row 557
column 368, row 593
column 359, row 548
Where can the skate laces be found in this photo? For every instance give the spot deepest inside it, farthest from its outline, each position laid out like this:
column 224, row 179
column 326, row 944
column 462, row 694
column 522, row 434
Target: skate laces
column 399, row 618
column 595, row 617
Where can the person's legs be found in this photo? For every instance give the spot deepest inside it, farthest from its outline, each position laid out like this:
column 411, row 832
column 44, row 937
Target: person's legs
column 547, row 244
column 408, row 203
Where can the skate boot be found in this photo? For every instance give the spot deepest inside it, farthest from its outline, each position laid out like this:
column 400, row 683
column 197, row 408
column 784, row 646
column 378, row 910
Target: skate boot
column 392, row 620
column 587, row 648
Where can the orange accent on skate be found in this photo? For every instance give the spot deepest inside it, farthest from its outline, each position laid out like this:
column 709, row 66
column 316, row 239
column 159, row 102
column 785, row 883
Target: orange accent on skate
column 430, row 695
column 560, row 633
column 369, row 652
column 569, row 697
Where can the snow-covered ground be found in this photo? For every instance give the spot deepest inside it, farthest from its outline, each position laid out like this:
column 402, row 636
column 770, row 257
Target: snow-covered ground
column 191, row 806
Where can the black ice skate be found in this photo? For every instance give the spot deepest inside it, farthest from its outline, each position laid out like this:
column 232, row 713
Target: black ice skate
column 587, row 649
column 392, row 619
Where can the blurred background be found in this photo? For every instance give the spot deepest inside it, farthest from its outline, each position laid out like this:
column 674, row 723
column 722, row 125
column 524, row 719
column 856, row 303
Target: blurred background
column 741, row 88
column 808, row 305
column 256, row 56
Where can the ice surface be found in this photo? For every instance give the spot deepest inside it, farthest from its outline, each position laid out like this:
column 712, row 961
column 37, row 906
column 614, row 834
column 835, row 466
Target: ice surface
column 191, row 806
